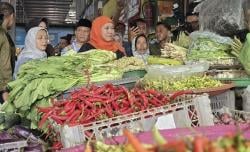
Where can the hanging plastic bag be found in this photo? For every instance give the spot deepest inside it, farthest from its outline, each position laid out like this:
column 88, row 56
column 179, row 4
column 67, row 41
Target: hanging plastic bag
column 224, row 17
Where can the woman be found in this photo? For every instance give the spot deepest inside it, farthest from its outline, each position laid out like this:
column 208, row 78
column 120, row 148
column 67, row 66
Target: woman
column 44, row 23
column 141, row 48
column 102, row 37
column 36, row 42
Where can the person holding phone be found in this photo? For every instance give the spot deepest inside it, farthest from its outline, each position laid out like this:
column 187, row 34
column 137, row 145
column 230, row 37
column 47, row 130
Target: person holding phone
column 136, row 27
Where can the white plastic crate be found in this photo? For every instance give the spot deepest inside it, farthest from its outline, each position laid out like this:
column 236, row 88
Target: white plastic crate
column 224, row 99
column 239, row 116
column 188, row 111
column 16, row 146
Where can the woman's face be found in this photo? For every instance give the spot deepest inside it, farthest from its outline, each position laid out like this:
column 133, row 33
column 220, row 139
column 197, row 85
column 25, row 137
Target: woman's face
column 41, row 40
column 141, row 45
column 108, row 32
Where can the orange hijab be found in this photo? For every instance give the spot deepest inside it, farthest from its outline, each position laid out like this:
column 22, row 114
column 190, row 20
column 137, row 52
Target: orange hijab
column 96, row 38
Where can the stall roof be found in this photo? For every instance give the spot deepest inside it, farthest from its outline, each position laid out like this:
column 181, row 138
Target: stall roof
column 57, row 11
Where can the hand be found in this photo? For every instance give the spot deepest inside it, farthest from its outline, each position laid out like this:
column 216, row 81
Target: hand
column 5, row 96
column 133, row 32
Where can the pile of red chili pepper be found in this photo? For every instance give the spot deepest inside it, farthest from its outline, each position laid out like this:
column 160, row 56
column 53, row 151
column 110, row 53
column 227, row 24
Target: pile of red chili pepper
column 95, row 103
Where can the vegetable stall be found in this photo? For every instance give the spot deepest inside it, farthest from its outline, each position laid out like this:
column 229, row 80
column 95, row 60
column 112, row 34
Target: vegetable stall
column 83, row 101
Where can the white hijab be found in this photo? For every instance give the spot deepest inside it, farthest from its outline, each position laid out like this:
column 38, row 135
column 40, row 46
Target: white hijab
column 30, row 50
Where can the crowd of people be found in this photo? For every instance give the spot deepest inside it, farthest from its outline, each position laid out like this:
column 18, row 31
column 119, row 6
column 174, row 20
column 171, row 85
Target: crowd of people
column 102, row 33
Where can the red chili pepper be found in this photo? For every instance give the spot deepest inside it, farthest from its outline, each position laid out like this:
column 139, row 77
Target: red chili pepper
column 115, row 106
column 75, row 113
column 60, row 103
column 58, row 121
column 126, row 111
column 179, row 93
column 69, row 106
column 90, row 117
column 108, row 110
column 155, row 102
column 100, row 90
column 73, row 108
column 62, row 118
column 89, row 104
column 131, row 97
column 44, row 118
column 44, row 110
column 112, row 99
column 153, row 92
column 144, row 99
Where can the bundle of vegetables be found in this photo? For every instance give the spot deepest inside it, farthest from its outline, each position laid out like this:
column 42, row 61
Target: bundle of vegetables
column 183, row 40
column 163, row 61
column 233, row 142
column 242, row 52
column 188, row 83
column 19, row 133
column 209, row 46
column 174, row 52
column 39, row 80
column 128, row 64
column 87, row 105
column 8, row 120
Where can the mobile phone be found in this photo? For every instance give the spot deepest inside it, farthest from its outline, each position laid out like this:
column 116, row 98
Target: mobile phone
column 132, row 24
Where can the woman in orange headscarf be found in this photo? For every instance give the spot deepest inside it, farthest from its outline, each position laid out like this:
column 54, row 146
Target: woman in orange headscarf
column 102, row 37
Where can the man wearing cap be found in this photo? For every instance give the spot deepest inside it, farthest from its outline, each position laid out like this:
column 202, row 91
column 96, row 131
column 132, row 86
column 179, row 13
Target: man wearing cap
column 82, row 32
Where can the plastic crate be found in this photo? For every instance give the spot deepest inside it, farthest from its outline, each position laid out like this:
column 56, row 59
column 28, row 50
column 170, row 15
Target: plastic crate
column 224, row 99
column 15, row 146
column 188, row 111
column 239, row 116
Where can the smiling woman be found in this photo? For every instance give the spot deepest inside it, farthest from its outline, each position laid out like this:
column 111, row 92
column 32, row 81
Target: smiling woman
column 102, row 37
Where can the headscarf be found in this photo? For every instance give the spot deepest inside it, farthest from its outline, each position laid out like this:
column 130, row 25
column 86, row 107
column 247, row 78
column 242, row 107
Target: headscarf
column 96, row 38
column 30, row 50
column 136, row 54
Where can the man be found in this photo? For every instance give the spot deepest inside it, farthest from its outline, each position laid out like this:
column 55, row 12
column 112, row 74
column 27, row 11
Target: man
column 192, row 22
column 64, row 42
column 162, row 35
column 7, row 48
column 82, row 33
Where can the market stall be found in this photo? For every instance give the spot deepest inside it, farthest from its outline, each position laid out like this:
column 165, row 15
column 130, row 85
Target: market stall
column 94, row 101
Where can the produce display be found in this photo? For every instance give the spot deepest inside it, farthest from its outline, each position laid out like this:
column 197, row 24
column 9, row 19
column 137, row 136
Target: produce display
column 243, row 54
column 96, row 103
column 39, row 80
column 163, row 61
column 183, row 40
column 129, row 64
column 188, row 83
column 207, row 49
column 19, row 133
column 174, row 52
column 229, row 143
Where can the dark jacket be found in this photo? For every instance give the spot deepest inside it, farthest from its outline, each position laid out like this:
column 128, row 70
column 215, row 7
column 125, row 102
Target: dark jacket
column 87, row 46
